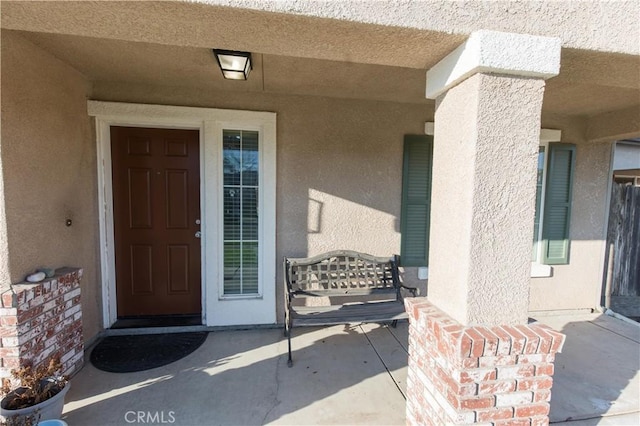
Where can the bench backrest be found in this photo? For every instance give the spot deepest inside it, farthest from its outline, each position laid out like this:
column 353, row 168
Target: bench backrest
column 341, row 271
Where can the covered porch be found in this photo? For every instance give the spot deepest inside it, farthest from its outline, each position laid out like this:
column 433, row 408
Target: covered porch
column 345, row 375
column 332, row 98
column 342, row 95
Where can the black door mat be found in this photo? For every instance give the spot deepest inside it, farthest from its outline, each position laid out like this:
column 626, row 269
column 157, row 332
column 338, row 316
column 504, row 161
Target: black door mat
column 158, row 321
column 126, row 354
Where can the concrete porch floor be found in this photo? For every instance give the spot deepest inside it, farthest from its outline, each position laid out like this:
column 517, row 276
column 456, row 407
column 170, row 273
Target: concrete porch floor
column 342, row 375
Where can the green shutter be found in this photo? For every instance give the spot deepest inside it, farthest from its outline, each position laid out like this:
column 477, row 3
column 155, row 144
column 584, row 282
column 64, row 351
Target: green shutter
column 557, row 203
column 416, row 200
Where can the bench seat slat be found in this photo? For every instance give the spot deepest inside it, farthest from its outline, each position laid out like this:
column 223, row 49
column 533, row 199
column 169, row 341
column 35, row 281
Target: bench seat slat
column 344, row 292
column 348, row 313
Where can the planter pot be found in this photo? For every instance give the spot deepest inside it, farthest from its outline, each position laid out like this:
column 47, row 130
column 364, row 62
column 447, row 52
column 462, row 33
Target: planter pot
column 46, row 410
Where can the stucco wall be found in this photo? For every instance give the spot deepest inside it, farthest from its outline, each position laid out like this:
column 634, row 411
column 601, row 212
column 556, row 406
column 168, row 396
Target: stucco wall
column 49, row 169
column 5, row 276
column 577, row 285
column 621, row 124
column 339, row 174
column 326, row 198
column 486, row 137
column 410, row 34
column 580, row 24
column 339, row 165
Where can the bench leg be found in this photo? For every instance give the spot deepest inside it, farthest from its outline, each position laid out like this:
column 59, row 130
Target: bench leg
column 287, row 333
column 285, row 325
column 394, row 323
column 290, row 360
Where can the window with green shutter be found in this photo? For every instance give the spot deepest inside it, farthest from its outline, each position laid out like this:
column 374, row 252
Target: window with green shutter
column 416, row 200
column 557, row 203
column 537, row 225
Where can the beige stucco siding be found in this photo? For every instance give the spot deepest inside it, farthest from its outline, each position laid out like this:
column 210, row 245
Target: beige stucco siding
column 49, row 169
column 339, row 165
column 578, row 23
column 577, row 285
column 391, row 32
column 339, row 179
column 338, row 175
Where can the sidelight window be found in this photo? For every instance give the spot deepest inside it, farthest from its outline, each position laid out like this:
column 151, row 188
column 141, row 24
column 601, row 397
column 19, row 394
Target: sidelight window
column 241, row 213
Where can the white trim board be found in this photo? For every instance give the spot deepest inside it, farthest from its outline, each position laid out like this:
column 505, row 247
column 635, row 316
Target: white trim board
column 495, row 52
column 216, row 311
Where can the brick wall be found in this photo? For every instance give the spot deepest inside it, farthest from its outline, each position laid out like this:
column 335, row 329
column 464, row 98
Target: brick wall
column 473, row 374
column 39, row 321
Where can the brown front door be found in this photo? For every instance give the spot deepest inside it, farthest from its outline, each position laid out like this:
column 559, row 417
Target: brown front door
column 156, row 213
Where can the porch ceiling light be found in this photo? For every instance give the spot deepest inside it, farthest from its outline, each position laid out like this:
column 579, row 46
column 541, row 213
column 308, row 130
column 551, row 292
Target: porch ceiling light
column 234, row 65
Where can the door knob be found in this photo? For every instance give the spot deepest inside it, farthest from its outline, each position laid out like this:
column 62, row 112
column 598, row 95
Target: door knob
column 198, row 234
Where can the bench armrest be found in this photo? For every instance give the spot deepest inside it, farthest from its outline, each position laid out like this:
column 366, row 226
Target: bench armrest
column 414, row 290
column 396, row 279
column 287, row 286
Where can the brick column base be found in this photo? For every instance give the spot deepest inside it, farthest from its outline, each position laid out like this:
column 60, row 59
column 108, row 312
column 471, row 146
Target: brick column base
column 42, row 320
column 499, row 375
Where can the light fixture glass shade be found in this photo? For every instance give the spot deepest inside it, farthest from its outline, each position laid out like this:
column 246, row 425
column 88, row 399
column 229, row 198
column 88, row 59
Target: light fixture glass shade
column 234, row 65
column 233, row 75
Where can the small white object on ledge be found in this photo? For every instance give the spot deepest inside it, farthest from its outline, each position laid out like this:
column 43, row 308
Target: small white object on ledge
column 423, row 273
column 36, row 277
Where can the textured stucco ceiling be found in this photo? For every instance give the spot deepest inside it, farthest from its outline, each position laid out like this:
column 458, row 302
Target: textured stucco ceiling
column 192, row 24
column 366, row 50
column 412, row 34
column 589, row 82
column 154, row 64
column 611, row 26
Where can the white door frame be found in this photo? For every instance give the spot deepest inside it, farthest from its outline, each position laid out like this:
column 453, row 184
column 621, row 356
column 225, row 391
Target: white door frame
column 216, row 310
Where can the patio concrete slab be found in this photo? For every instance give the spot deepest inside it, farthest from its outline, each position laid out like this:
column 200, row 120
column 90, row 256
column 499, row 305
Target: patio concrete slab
column 242, row 378
column 337, row 378
column 388, row 342
column 229, row 379
column 343, row 375
column 597, row 374
column 630, row 419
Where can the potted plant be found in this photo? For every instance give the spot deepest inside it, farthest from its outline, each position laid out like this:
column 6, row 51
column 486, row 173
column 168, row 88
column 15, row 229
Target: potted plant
column 39, row 397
